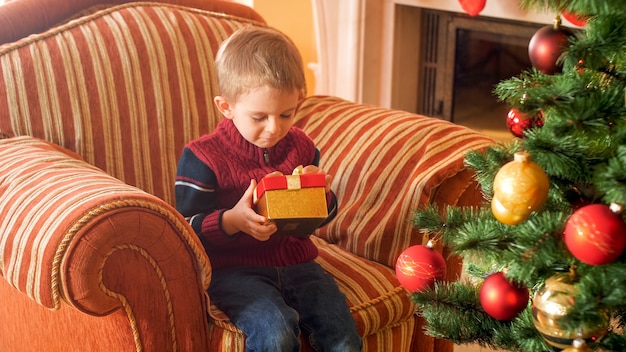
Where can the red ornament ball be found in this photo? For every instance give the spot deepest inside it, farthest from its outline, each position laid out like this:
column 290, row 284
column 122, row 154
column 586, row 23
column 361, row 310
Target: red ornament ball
column 473, row 7
column 518, row 122
column 501, row 299
column 419, row 266
column 547, row 45
column 595, row 235
column 575, row 19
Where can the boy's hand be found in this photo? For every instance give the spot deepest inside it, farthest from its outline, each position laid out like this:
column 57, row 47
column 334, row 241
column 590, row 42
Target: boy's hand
column 274, row 173
column 312, row 169
column 243, row 218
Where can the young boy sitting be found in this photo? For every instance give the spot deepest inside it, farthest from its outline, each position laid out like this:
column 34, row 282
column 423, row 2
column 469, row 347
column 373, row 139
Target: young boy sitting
column 269, row 286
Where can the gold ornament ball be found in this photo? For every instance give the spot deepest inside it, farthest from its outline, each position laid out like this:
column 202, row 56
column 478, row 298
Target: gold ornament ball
column 519, row 188
column 551, row 304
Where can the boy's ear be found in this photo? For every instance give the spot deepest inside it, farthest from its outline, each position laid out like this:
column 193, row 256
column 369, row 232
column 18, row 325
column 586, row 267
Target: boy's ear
column 223, row 106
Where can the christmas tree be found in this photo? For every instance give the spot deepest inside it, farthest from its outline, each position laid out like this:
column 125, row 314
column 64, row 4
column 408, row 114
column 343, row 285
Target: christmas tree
column 548, row 268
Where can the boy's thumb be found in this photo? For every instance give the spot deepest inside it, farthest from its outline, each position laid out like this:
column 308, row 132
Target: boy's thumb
column 252, row 191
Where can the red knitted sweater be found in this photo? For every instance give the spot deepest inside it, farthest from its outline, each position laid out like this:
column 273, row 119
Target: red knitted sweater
column 213, row 173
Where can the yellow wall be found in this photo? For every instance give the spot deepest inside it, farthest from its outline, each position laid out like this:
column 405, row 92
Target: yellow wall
column 295, row 19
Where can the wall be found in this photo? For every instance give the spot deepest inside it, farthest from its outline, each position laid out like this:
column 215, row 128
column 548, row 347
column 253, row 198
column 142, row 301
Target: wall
column 507, row 9
column 295, row 19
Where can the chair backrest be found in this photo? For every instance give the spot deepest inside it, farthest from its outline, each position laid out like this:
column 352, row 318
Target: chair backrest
column 385, row 165
column 126, row 87
column 20, row 18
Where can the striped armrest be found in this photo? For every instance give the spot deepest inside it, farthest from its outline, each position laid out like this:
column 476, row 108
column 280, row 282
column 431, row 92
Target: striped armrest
column 385, row 165
column 68, row 231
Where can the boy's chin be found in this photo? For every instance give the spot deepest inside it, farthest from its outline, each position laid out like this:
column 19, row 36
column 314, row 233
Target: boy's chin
column 266, row 143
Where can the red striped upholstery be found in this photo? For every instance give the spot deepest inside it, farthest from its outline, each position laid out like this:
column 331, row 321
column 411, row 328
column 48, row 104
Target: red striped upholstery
column 69, row 233
column 126, row 88
column 24, row 17
column 385, row 164
column 79, row 85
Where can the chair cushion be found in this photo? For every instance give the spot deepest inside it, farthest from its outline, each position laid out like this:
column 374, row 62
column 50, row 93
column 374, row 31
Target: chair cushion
column 374, row 295
column 376, row 299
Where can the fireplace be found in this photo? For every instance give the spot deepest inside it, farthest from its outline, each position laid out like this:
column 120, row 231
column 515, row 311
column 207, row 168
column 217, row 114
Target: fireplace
column 377, row 52
column 460, row 61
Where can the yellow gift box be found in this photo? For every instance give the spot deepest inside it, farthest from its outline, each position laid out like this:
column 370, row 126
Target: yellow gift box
column 296, row 203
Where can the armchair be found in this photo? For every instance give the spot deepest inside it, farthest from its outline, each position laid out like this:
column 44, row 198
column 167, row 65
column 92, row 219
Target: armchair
column 95, row 111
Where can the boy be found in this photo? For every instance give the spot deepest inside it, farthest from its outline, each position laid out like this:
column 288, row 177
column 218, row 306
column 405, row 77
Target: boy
column 269, row 286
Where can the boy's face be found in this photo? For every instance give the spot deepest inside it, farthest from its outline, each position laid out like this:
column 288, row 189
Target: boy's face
column 262, row 115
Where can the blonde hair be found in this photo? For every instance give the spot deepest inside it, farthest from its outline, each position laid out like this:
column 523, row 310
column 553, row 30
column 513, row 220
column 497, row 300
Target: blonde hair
column 253, row 57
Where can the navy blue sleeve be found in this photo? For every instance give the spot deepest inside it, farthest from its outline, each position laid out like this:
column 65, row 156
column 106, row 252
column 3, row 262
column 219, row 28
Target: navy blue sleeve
column 316, row 159
column 195, row 189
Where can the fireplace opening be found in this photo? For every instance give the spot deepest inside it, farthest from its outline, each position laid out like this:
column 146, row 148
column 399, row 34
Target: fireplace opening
column 461, row 60
column 482, row 59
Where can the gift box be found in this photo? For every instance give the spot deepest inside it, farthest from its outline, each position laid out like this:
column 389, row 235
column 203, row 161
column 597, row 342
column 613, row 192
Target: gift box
column 296, row 203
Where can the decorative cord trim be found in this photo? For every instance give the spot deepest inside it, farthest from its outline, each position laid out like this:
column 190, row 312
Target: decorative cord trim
column 227, row 325
column 377, row 300
column 181, row 227
column 128, row 308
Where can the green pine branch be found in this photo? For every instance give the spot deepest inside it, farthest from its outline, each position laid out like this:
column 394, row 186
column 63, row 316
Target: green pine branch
column 586, row 7
column 582, row 148
column 454, row 313
column 610, row 178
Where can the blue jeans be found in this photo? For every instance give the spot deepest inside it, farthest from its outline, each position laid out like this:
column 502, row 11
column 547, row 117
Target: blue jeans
column 271, row 304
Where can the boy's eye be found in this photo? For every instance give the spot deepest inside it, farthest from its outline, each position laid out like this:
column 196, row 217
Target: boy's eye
column 286, row 116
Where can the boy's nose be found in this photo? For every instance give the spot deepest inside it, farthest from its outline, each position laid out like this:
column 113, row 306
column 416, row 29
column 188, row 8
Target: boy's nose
column 272, row 125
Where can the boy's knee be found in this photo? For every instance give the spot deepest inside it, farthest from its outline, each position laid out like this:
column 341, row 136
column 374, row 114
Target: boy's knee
column 275, row 338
